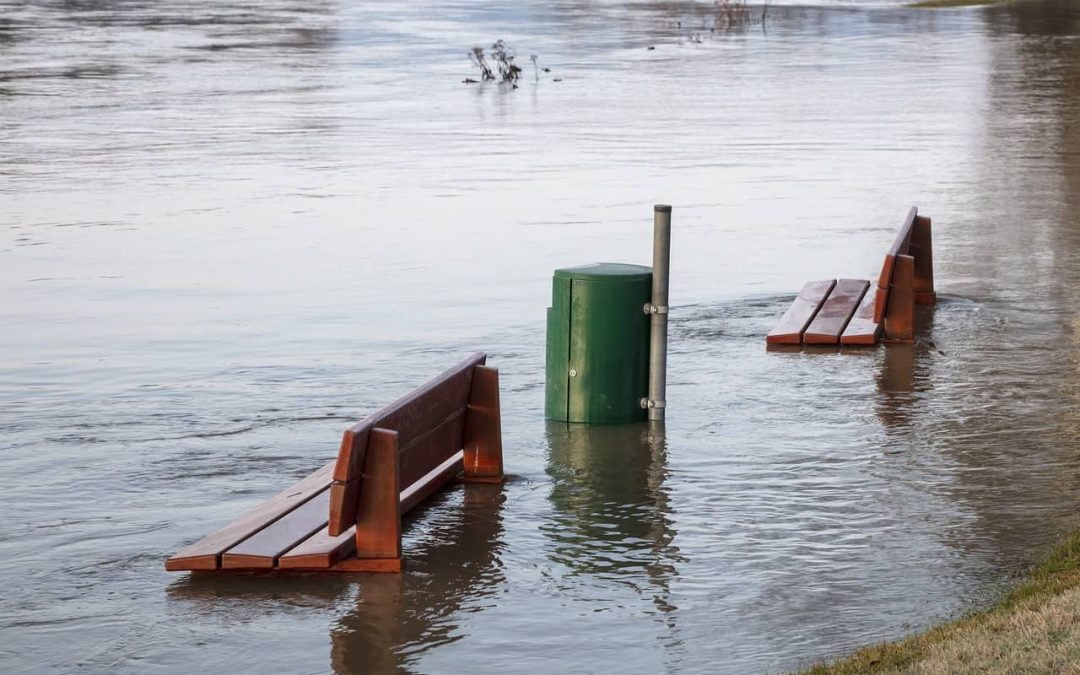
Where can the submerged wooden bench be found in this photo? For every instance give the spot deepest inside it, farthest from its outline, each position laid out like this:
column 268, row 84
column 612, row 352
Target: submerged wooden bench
column 844, row 311
column 346, row 517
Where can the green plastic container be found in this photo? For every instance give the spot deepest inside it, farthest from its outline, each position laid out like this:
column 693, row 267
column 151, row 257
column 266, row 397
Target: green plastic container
column 598, row 344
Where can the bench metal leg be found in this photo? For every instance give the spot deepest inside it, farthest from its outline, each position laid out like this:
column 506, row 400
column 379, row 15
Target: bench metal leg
column 900, row 307
column 378, row 521
column 922, row 250
column 483, row 429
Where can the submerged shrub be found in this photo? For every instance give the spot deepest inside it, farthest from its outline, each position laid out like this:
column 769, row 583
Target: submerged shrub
column 505, row 71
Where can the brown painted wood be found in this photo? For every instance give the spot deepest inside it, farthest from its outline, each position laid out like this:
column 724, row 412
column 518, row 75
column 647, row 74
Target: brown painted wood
column 862, row 329
column 296, row 536
column 410, row 415
column 430, row 483
column 922, row 250
column 320, row 550
column 205, row 554
column 483, row 457
column 350, row 461
column 899, row 324
column 344, row 498
column 323, row 550
column 262, row 549
column 881, row 293
column 900, row 246
column 378, row 521
column 798, row 316
column 833, row 317
column 885, row 275
column 431, row 448
column 903, row 237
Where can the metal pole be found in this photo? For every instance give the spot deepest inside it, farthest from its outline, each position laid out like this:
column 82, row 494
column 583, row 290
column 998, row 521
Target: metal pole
column 658, row 311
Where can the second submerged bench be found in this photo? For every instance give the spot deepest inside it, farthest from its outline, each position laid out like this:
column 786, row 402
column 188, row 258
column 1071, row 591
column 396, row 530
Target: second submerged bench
column 849, row 312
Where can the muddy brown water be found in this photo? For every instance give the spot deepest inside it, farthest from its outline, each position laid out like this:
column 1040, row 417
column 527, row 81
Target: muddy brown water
column 228, row 229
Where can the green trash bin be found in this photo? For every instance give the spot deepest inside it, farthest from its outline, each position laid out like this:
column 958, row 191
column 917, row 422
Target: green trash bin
column 598, row 344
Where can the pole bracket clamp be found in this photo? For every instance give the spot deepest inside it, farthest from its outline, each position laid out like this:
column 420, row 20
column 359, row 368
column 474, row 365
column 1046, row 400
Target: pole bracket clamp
column 646, row 404
column 650, row 308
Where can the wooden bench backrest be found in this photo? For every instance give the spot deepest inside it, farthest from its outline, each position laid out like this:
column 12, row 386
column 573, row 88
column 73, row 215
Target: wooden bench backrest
column 901, row 245
column 430, row 426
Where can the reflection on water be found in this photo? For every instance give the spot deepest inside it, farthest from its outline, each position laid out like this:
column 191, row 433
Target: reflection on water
column 904, row 377
column 454, row 569
column 611, row 517
column 226, row 229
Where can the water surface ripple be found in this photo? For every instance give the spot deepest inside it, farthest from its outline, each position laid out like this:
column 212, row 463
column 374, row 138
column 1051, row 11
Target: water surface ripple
column 227, row 229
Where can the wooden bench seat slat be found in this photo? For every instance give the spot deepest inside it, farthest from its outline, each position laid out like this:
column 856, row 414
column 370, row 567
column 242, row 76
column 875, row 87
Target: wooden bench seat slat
column 862, row 329
column 835, row 314
column 205, row 554
column 262, row 549
column 790, row 328
column 320, row 550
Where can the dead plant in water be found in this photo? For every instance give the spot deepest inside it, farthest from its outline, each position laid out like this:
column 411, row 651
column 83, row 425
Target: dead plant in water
column 476, row 56
column 505, row 71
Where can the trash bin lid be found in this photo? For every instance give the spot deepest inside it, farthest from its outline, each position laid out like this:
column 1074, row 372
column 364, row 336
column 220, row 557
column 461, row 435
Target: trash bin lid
column 605, row 272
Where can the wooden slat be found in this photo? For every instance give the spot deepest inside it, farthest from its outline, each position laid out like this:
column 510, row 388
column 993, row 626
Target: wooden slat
column 834, row 315
column 483, row 428
column 344, row 498
column 350, row 461
column 205, row 554
column 790, row 328
column 430, row 483
column 903, row 237
column 410, row 415
column 425, row 453
column 431, row 449
column 262, row 550
column 922, row 250
column 899, row 323
column 862, row 329
column 320, row 550
column 899, row 246
column 378, row 520
column 881, row 295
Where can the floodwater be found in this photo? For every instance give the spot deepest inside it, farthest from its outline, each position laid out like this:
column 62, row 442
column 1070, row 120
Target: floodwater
column 228, row 229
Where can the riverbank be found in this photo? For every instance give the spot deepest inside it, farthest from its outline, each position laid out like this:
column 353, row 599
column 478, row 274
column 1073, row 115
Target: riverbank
column 1035, row 628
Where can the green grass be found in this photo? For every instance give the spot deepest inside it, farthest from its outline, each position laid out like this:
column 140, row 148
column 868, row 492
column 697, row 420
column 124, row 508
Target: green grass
column 1035, row 628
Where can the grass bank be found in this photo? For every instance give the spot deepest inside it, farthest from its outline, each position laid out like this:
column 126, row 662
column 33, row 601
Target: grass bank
column 1033, row 629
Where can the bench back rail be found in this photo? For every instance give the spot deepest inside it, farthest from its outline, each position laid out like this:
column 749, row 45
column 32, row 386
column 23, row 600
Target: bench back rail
column 450, row 425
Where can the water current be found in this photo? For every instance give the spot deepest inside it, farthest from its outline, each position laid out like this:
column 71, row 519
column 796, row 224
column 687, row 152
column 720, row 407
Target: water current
column 228, row 229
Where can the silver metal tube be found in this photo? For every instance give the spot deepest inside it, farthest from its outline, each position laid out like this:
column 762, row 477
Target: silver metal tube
column 659, row 313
